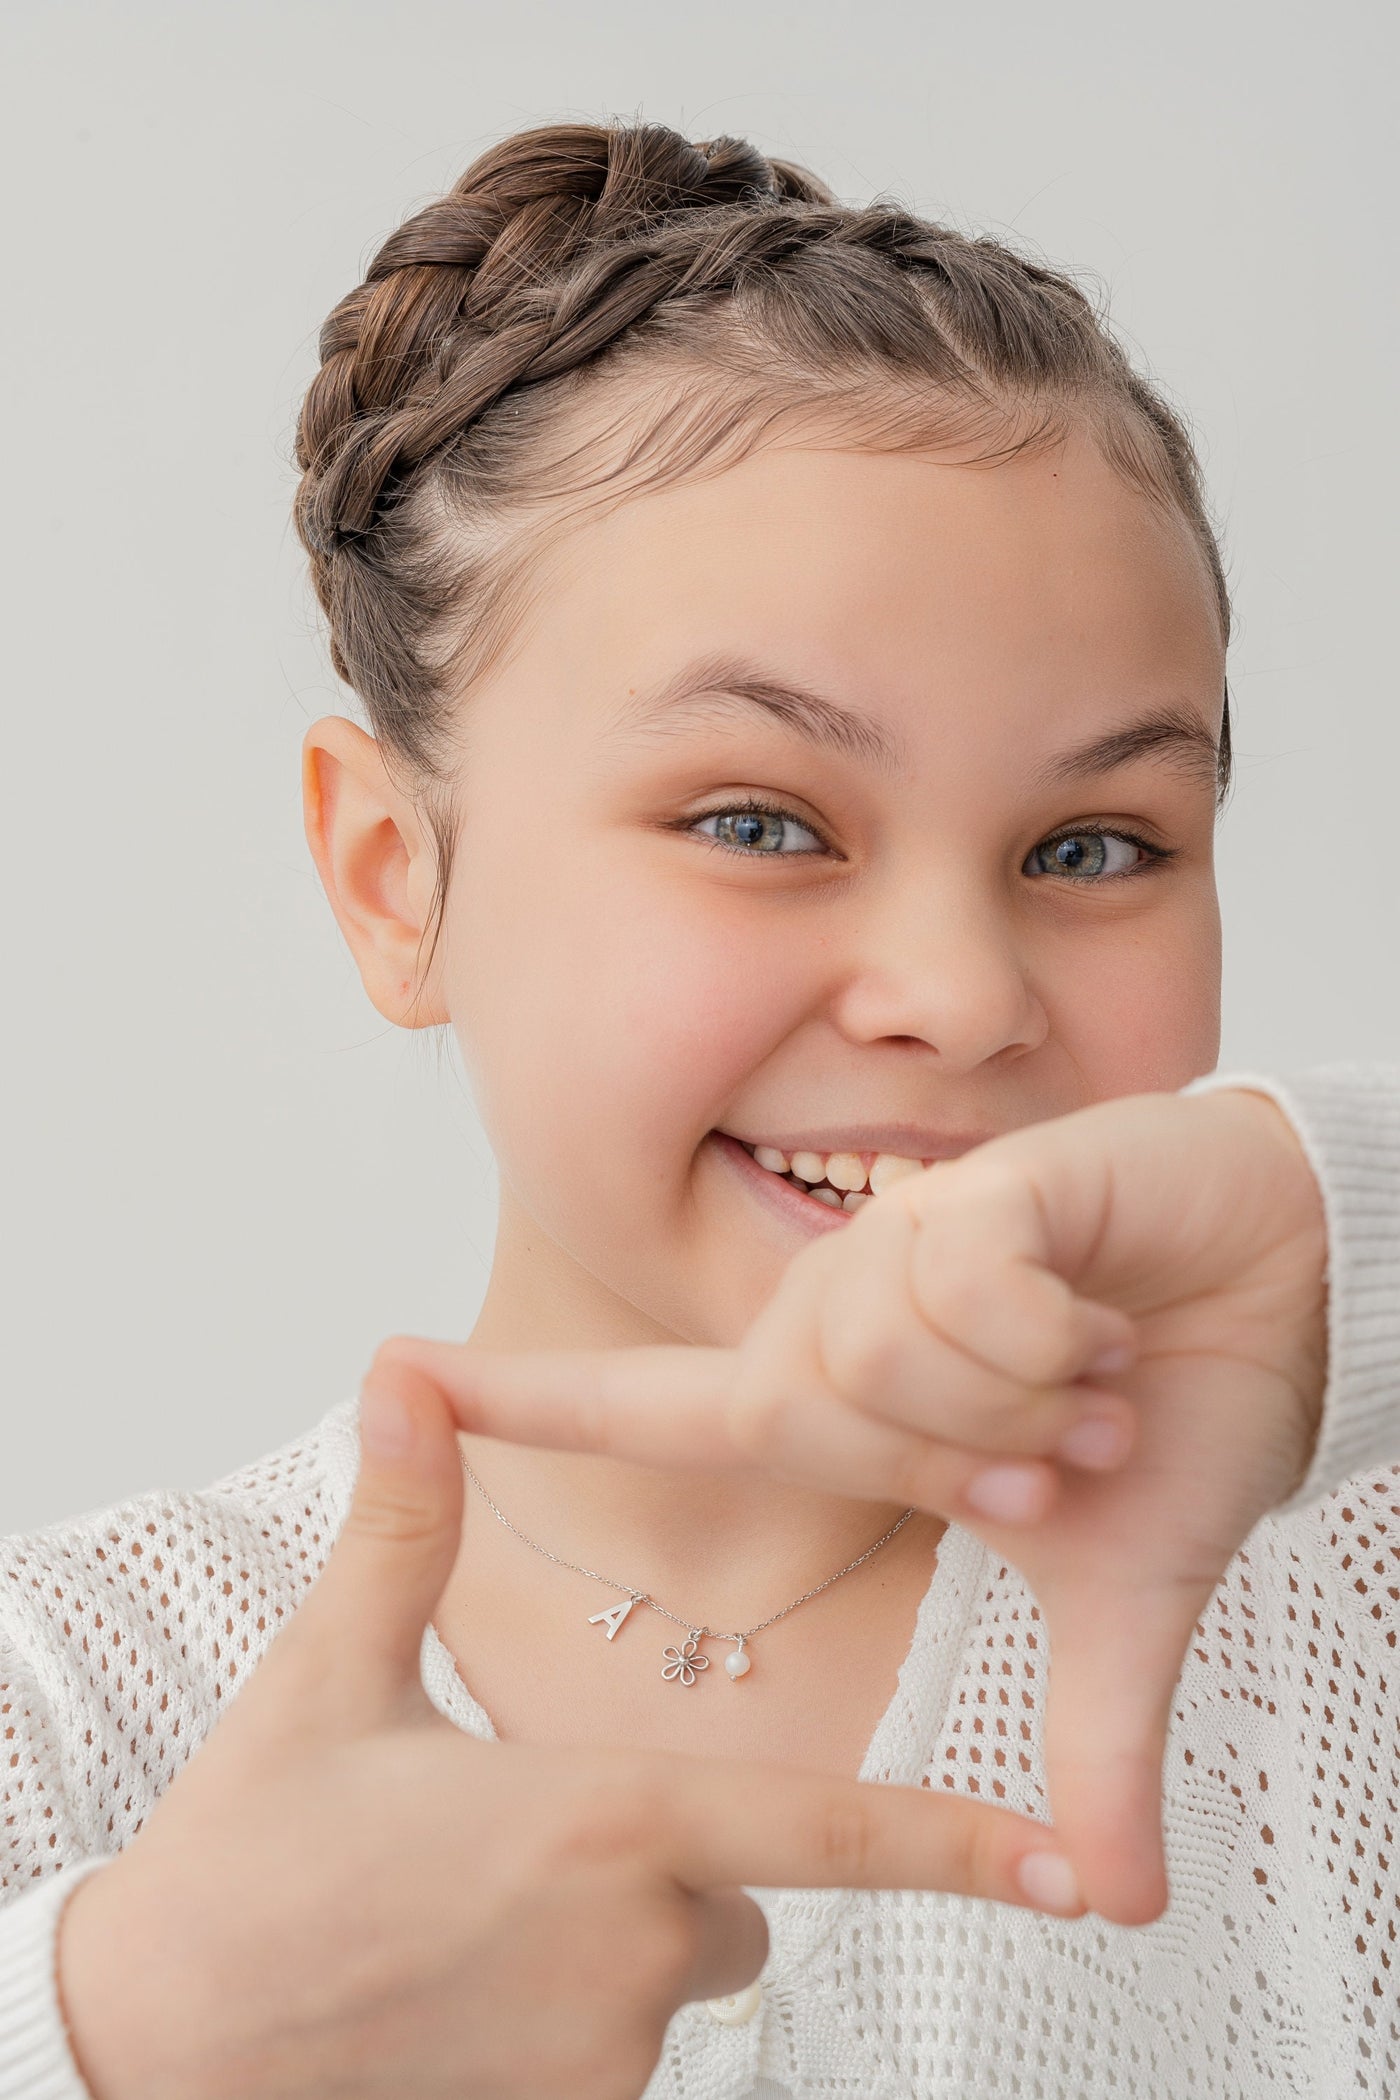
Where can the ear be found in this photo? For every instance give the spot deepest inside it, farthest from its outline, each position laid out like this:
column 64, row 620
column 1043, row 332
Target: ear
column 377, row 864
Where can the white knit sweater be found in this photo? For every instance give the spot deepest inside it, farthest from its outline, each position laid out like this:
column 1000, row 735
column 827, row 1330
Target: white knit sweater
column 1276, row 1968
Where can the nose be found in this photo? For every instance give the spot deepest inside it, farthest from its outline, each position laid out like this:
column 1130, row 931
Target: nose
column 948, row 972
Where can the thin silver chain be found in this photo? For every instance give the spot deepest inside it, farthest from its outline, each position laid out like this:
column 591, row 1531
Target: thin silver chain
column 641, row 1597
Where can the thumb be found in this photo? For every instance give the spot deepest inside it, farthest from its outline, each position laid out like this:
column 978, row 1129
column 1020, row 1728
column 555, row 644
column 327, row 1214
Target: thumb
column 1115, row 1662
column 390, row 1564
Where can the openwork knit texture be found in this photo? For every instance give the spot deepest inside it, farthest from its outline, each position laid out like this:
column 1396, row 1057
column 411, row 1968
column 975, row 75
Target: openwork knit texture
column 1276, row 1969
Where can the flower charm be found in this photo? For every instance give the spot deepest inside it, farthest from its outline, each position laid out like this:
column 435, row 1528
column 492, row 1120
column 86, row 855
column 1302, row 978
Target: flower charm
column 682, row 1663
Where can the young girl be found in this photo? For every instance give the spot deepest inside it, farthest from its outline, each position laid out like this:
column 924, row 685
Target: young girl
column 793, row 641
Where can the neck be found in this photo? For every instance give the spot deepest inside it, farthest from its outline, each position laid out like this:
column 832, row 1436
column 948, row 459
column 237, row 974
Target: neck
column 726, row 1547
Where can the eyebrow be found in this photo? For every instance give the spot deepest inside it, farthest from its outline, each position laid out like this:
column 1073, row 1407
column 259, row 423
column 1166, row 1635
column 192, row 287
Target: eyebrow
column 1173, row 735
column 717, row 685
column 722, row 684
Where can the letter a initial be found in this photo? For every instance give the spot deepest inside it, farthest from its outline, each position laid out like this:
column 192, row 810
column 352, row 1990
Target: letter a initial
column 612, row 1618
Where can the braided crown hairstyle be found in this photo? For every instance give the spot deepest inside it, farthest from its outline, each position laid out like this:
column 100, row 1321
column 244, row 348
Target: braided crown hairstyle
column 597, row 309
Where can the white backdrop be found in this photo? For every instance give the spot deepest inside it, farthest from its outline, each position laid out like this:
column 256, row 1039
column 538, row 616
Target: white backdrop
column 225, row 1178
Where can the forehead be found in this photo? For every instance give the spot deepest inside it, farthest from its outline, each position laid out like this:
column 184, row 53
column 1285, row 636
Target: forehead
column 1036, row 597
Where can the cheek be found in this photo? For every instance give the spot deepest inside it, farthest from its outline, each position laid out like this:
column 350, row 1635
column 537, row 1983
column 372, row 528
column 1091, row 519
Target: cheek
column 679, row 1012
column 1141, row 1013
column 602, row 1023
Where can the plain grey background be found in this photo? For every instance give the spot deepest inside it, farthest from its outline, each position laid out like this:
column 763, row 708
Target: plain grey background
column 225, row 1178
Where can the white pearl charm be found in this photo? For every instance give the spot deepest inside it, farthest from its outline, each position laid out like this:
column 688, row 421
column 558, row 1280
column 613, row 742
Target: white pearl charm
column 737, row 1664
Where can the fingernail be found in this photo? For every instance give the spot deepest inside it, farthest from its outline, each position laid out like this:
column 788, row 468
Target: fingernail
column 1118, row 1358
column 1096, row 1440
column 1049, row 1880
column 1011, row 1493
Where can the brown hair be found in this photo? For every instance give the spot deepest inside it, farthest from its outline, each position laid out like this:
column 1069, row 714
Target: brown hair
column 697, row 300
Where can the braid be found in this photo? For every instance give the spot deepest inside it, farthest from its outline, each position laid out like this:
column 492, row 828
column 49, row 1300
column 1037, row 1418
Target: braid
column 575, row 256
column 473, row 295
column 460, row 305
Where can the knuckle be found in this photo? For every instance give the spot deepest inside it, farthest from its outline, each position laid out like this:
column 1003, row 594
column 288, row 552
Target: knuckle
column 955, row 1196
column 592, row 1428
column 859, row 1357
column 983, row 1861
column 610, row 1817
column 757, row 1413
column 385, row 1514
column 916, row 1475
column 998, row 1320
column 948, row 1295
column 992, row 1182
column 968, row 1850
column 842, row 1843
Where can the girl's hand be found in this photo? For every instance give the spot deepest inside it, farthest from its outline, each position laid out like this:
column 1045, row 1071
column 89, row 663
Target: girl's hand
column 343, row 1893
column 957, row 1320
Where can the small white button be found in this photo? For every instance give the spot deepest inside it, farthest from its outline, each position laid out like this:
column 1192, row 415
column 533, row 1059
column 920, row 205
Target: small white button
column 736, row 2009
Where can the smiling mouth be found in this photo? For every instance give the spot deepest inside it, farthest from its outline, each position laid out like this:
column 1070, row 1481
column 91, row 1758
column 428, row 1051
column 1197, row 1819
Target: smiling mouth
column 841, row 1181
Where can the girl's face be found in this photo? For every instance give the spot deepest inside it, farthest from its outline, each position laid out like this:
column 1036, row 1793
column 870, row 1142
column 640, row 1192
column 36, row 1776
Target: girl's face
column 980, row 708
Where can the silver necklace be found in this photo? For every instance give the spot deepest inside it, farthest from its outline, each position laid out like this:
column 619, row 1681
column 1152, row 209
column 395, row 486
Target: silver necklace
column 681, row 1664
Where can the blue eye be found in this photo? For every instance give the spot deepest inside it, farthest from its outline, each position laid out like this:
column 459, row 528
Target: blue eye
column 1085, row 856
column 754, row 829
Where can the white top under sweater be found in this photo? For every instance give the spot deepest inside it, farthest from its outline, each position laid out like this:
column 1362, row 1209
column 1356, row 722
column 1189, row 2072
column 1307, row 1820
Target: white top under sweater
column 1276, row 1968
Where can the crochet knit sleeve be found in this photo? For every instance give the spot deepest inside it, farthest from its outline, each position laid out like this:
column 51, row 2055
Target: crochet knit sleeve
column 123, row 1633
column 1347, row 1118
column 44, row 1854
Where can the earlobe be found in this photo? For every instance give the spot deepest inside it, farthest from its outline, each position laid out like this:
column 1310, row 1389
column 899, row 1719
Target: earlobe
column 374, row 861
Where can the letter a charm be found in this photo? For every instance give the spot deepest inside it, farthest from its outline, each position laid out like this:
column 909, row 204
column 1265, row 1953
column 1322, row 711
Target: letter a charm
column 613, row 1617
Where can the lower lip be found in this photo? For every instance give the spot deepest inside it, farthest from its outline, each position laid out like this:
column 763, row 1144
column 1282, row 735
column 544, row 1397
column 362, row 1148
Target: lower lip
column 781, row 1197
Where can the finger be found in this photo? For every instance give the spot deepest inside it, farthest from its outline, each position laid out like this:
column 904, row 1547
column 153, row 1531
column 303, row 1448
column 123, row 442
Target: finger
column 981, row 1274
column 881, row 1351
column 1151, row 1199
column 1122, row 1594
column 818, row 1437
column 658, row 1406
column 1115, row 1662
column 732, row 1935
column 364, row 1618
column 776, row 1826
column 607, row 1401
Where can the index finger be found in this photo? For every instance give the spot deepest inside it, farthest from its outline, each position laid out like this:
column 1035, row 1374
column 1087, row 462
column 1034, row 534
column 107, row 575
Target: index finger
column 781, row 1826
column 661, row 1406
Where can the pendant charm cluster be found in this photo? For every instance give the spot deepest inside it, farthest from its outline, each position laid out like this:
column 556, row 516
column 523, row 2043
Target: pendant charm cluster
column 680, row 1665
column 683, row 1664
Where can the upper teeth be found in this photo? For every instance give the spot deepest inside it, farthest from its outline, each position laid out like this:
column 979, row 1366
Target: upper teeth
column 843, row 1170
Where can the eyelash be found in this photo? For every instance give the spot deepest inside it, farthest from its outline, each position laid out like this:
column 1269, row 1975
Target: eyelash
column 753, row 805
column 759, row 807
